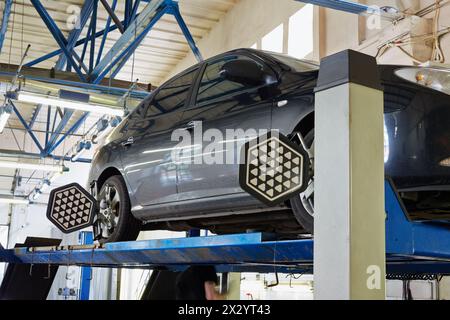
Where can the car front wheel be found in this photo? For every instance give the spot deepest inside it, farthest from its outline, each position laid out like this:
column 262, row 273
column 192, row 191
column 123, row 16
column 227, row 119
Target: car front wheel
column 303, row 204
column 115, row 221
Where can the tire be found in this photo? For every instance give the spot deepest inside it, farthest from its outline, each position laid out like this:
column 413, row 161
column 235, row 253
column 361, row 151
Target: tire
column 303, row 217
column 126, row 227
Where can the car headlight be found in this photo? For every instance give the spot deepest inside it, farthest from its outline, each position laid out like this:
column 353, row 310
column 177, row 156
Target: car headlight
column 445, row 163
column 434, row 78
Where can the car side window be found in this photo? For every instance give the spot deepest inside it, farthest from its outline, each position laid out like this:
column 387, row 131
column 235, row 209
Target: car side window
column 172, row 95
column 215, row 87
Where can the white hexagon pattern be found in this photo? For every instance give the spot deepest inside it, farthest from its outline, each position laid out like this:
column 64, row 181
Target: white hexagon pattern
column 274, row 169
column 71, row 209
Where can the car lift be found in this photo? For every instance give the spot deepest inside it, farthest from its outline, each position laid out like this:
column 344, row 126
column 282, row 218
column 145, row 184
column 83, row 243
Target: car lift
column 412, row 247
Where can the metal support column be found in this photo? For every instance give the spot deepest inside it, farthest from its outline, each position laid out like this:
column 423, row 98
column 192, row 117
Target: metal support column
column 349, row 224
column 86, row 238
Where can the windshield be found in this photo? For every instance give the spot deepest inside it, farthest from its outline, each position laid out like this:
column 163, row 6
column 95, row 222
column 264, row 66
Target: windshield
column 293, row 63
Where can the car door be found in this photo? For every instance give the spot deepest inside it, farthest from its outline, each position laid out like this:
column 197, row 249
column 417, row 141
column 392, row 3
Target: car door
column 146, row 148
column 221, row 106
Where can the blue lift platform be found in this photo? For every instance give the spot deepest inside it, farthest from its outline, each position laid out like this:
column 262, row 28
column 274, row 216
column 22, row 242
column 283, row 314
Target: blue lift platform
column 412, row 247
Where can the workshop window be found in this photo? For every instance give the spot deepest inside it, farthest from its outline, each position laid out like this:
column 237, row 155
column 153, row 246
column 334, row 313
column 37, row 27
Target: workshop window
column 273, row 41
column 301, row 33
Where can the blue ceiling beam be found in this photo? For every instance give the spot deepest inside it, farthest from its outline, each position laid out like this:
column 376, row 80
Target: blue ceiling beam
column 129, row 40
column 4, row 26
column 35, row 115
column 342, row 5
column 123, row 49
column 59, row 51
column 86, row 11
column 128, row 12
column 122, row 59
column 93, row 31
column 59, row 37
column 175, row 11
column 85, row 45
column 71, row 130
column 47, row 129
column 55, row 134
column 135, row 9
column 27, row 128
column 105, row 34
column 71, row 41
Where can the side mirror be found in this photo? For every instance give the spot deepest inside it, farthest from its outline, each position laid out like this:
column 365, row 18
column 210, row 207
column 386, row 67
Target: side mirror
column 245, row 72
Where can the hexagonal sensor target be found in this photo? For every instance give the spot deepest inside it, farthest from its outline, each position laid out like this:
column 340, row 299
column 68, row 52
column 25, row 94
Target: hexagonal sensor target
column 71, row 208
column 274, row 169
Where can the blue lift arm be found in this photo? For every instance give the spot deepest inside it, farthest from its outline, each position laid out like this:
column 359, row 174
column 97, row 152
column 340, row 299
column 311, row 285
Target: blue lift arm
column 411, row 246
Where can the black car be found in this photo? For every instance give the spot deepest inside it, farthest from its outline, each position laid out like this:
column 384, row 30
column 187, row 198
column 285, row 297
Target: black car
column 140, row 185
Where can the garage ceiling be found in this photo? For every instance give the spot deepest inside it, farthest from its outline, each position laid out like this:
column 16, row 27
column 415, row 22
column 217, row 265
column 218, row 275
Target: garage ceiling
column 159, row 53
column 163, row 48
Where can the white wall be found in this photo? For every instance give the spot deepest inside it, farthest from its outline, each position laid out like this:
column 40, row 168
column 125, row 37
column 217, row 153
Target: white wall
column 245, row 24
column 31, row 221
column 250, row 20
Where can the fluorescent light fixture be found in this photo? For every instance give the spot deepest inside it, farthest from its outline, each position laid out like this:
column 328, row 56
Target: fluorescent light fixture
column 55, row 177
column 78, row 155
column 45, row 185
column 14, row 200
column 36, row 195
column 32, row 166
column 55, row 101
column 82, row 147
column 5, row 113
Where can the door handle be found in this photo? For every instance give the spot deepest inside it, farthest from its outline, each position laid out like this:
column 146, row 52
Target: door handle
column 129, row 142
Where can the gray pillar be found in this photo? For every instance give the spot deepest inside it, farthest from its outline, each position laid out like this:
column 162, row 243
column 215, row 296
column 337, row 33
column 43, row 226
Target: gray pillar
column 349, row 225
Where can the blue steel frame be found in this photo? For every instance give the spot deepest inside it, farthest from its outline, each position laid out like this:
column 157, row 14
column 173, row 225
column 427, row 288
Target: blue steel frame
column 102, row 67
column 97, row 66
column 411, row 247
column 342, row 5
column 5, row 20
column 27, row 127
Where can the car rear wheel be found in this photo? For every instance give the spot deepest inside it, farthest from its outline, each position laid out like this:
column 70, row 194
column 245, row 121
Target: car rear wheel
column 115, row 219
column 303, row 204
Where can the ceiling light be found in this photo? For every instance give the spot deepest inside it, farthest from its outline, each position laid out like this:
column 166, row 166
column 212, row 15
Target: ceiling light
column 32, row 166
column 36, row 194
column 55, row 101
column 45, row 185
column 433, row 78
column 55, row 177
column 14, row 200
column 5, row 113
column 82, row 147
